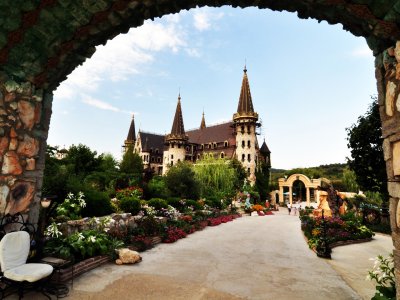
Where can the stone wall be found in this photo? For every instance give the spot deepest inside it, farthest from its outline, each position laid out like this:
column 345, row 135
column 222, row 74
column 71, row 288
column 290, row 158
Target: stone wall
column 388, row 80
column 24, row 122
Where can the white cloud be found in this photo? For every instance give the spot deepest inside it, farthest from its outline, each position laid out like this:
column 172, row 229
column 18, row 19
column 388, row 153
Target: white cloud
column 125, row 56
column 204, row 17
column 102, row 105
column 362, row 51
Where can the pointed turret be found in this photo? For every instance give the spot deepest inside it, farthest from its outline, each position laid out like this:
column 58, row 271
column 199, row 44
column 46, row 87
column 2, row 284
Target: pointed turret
column 131, row 133
column 203, row 122
column 131, row 137
column 264, row 148
column 178, row 129
column 245, row 105
column 176, row 141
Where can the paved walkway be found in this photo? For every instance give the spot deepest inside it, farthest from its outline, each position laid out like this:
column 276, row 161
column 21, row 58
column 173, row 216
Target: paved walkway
column 249, row 258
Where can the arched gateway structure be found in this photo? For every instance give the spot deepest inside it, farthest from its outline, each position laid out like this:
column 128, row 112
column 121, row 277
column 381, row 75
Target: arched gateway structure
column 41, row 42
column 309, row 184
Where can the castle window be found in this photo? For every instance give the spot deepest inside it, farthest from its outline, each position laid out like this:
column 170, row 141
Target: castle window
column 242, row 129
column 248, row 144
column 215, row 145
column 172, row 156
column 151, row 150
column 198, row 156
column 158, row 159
column 226, row 144
column 248, row 129
column 248, row 170
column 172, row 163
column 179, row 146
column 152, row 159
column 209, row 146
column 172, row 145
column 157, row 150
column 248, row 157
column 153, row 169
column 243, row 144
column 202, row 147
column 222, row 155
column 179, row 160
column 187, row 149
column 243, row 157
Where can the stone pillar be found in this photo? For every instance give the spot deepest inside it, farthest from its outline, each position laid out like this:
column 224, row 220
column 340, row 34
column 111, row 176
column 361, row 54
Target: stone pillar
column 308, row 196
column 281, row 199
column 24, row 122
column 387, row 73
column 290, row 195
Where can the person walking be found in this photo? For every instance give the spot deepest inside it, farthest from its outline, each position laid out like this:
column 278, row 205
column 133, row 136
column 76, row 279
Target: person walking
column 289, row 207
column 295, row 210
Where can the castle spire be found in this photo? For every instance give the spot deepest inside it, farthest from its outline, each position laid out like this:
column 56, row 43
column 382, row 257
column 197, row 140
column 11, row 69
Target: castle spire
column 177, row 126
column 132, row 133
column 203, row 122
column 245, row 105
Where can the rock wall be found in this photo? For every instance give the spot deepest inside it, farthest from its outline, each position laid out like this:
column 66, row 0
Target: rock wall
column 388, row 80
column 24, row 123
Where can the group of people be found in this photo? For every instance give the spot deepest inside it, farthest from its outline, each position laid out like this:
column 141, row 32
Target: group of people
column 295, row 209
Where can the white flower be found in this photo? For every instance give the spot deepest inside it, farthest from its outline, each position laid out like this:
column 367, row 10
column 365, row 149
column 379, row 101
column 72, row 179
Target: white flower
column 80, row 236
column 52, row 230
column 92, row 239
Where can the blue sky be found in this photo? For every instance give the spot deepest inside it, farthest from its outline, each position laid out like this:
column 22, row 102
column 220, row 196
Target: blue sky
column 309, row 81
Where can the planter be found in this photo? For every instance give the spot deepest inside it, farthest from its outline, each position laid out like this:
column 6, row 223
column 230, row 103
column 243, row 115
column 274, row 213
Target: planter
column 79, row 268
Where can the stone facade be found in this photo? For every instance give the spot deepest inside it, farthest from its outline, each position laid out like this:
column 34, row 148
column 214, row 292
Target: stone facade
column 388, row 81
column 24, row 118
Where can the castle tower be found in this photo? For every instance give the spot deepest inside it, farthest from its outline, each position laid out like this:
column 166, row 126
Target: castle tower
column 245, row 124
column 131, row 138
column 175, row 141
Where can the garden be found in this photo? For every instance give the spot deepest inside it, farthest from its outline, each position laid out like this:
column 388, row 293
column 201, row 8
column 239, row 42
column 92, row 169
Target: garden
column 99, row 205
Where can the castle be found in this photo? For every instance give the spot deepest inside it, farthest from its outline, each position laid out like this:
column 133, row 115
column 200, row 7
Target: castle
column 233, row 139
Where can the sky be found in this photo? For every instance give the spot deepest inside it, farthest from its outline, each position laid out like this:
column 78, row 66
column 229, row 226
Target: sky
column 309, row 82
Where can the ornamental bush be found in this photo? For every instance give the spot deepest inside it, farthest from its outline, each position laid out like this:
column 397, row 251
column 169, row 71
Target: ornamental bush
column 130, row 205
column 157, row 203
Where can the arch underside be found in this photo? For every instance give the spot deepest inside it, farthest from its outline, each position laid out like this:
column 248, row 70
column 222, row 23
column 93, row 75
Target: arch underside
column 44, row 41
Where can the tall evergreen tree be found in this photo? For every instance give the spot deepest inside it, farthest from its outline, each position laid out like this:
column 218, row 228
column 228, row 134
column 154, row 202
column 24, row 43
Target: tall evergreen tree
column 132, row 166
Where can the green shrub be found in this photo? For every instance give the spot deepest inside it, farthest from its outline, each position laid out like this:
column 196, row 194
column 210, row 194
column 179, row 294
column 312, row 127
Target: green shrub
column 97, row 204
column 157, row 203
column 130, row 205
column 214, row 202
column 196, row 205
column 175, row 202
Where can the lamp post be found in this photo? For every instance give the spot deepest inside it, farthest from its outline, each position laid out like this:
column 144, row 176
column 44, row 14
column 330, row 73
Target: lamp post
column 47, row 208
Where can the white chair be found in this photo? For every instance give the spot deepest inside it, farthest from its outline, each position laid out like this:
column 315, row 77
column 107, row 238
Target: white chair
column 14, row 251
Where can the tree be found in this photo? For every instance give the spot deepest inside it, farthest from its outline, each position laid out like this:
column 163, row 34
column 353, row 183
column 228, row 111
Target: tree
column 262, row 180
column 131, row 167
column 81, row 161
column 365, row 144
column 349, row 180
column 240, row 173
column 216, row 176
column 181, row 181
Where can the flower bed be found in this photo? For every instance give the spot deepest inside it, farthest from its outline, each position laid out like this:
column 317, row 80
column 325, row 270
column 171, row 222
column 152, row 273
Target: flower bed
column 338, row 230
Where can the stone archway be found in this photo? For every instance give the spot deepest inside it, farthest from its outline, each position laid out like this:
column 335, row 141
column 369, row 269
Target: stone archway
column 41, row 42
column 310, row 185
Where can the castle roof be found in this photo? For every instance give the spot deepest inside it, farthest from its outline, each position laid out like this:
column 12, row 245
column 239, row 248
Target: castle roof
column 245, row 105
column 264, row 148
column 216, row 133
column 151, row 141
column 131, row 133
column 177, row 125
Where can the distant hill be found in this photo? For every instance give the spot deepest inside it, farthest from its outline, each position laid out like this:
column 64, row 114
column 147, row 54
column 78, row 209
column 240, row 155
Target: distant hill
column 333, row 172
